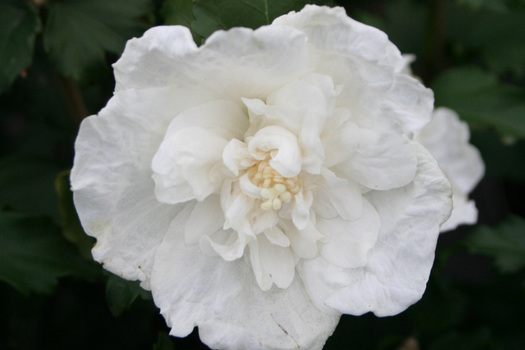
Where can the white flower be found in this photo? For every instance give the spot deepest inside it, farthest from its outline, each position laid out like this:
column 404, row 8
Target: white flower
column 447, row 139
column 265, row 183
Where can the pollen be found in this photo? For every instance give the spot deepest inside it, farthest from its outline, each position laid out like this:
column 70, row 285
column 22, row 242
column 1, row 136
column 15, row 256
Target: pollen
column 275, row 189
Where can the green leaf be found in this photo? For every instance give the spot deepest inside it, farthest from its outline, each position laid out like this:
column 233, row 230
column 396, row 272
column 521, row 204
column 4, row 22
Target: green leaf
column 79, row 32
column 496, row 37
column 27, row 184
column 212, row 15
column 482, row 100
column 33, row 254
column 504, row 242
column 121, row 293
column 19, row 25
column 164, row 342
column 178, row 12
column 71, row 228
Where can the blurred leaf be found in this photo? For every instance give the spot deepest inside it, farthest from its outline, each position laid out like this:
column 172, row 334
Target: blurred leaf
column 504, row 242
column 27, row 185
column 79, row 32
column 33, row 254
column 19, row 25
column 164, row 342
column 71, row 228
column 501, row 160
column 496, row 37
column 212, row 15
column 482, row 100
column 495, row 5
column 121, row 293
column 178, row 12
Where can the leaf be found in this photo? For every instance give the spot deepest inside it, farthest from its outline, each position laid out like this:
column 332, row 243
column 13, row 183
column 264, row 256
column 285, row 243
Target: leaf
column 33, row 254
column 71, row 227
column 504, row 242
column 483, row 101
column 19, row 25
column 121, row 293
column 164, row 342
column 79, row 32
column 27, row 184
column 495, row 33
column 212, row 15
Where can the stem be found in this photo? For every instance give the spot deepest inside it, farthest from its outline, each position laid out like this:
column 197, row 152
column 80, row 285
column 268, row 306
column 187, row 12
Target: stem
column 435, row 39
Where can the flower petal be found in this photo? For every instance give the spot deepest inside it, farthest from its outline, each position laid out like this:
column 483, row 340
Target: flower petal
column 286, row 155
column 114, row 193
column 188, row 165
column 398, row 266
column 224, row 301
column 382, row 161
column 205, row 218
column 348, row 242
column 447, row 138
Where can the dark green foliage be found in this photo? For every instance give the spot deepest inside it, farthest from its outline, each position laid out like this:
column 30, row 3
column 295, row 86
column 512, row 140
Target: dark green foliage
column 78, row 33
column 19, row 25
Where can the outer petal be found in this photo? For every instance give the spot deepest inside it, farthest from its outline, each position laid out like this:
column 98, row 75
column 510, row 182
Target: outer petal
column 398, row 267
column 447, row 138
column 381, row 161
column 366, row 63
column 224, row 301
column 233, row 64
column 113, row 189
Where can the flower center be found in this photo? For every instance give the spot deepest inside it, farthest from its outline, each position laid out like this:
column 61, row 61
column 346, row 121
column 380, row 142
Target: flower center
column 275, row 189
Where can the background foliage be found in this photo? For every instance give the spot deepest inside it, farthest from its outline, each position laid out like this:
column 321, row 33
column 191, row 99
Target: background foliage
column 55, row 68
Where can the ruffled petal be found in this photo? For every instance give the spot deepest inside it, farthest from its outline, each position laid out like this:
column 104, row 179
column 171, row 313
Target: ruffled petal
column 398, row 266
column 447, row 138
column 349, row 242
column 367, row 64
column 205, row 218
column 224, row 301
column 114, row 193
column 286, row 155
column 381, row 161
column 188, row 165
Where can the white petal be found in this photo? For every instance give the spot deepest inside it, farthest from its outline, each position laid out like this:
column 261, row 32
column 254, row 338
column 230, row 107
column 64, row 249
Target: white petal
column 224, row 301
column 188, row 165
column 349, row 242
column 287, row 158
column 236, row 156
column 336, row 196
column 303, row 242
column 447, row 138
column 368, row 65
column 205, row 218
column 399, row 265
column 277, row 237
column 381, row 161
column 229, row 244
column 275, row 264
column 114, row 192
column 464, row 212
column 301, row 209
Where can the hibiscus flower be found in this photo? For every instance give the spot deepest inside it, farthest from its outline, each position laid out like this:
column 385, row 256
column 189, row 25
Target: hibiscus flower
column 266, row 182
